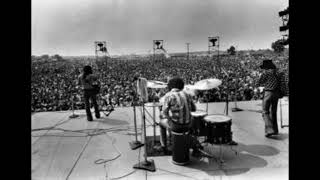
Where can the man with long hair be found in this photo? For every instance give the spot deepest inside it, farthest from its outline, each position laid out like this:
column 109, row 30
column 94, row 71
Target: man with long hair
column 88, row 80
column 269, row 79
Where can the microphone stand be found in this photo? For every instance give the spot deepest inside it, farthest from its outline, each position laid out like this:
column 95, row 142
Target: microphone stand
column 135, row 144
column 73, row 115
column 226, row 110
column 145, row 165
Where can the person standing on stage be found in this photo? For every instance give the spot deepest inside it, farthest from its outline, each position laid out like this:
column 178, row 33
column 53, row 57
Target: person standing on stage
column 88, row 81
column 269, row 79
column 176, row 114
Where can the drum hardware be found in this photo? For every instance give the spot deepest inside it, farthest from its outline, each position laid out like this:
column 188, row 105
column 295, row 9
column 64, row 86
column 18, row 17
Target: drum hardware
column 153, row 84
column 153, row 105
column 220, row 158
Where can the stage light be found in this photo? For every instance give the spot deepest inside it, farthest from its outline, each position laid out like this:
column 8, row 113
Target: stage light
column 284, row 12
column 284, row 28
column 157, row 43
column 103, row 49
column 213, row 41
column 285, row 24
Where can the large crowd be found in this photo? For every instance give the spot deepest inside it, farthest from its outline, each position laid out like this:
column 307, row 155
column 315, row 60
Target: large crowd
column 54, row 83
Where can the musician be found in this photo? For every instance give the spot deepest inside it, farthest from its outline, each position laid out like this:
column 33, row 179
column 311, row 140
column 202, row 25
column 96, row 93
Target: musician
column 269, row 80
column 87, row 80
column 176, row 114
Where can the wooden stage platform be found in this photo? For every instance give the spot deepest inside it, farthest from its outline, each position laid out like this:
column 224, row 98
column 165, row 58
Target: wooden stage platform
column 75, row 149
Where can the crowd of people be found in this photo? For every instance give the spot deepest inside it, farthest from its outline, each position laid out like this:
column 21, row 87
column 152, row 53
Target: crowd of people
column 54, row 84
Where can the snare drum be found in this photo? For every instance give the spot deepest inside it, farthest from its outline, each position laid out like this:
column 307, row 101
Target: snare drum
column 218, row 129
column 198, row 125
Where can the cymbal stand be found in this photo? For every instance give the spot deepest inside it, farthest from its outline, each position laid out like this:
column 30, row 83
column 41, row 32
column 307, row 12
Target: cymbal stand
column 236, row 109
column 226, row 110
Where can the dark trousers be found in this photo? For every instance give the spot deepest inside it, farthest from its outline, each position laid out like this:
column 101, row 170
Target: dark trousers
column 90, row 94
column 269, row 111
column 170, row 126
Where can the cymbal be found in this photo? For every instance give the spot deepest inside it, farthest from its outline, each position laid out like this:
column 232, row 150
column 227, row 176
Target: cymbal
column 207, row 84
column 156, row 84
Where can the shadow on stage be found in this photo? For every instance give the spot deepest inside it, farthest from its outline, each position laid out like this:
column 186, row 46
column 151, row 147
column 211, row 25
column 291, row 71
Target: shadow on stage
column 246, row 158
column 109, row 121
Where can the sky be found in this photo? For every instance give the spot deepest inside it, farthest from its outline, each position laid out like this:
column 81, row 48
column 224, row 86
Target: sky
column 70, row 27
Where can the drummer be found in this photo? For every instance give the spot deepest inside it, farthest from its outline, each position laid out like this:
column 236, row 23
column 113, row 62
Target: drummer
column 176, row 115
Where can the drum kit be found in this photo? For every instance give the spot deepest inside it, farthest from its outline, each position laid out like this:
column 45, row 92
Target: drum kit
column 215, row 128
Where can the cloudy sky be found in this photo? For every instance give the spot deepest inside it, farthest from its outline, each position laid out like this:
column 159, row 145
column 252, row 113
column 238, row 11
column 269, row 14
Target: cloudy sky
column 70, row 27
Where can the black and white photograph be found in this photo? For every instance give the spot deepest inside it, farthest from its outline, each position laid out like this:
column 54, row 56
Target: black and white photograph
column 159, row 89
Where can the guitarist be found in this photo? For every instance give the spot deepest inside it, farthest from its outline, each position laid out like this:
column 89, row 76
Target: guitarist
column 90, row 86
column 270, row 80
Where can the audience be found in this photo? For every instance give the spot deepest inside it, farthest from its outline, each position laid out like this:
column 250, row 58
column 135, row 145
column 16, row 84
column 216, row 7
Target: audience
column 53, row 84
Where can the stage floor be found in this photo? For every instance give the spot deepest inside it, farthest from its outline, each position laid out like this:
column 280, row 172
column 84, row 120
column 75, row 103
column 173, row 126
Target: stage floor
column 70, row 150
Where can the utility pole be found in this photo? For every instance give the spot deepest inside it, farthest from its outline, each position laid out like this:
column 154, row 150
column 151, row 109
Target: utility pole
column 188, row 50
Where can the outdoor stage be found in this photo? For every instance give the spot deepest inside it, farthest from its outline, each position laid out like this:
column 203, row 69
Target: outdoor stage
column 68, row 154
